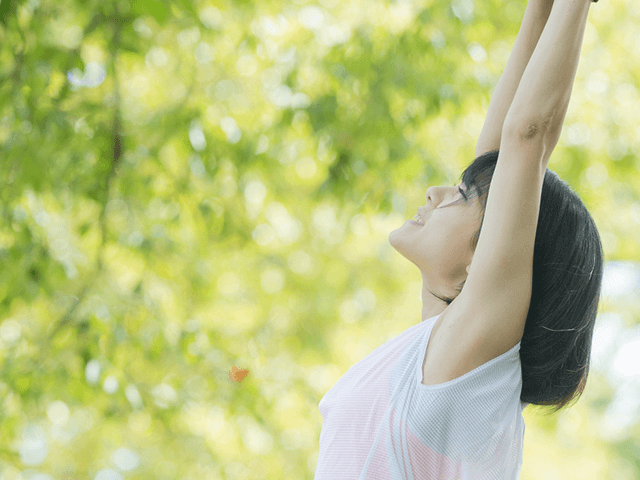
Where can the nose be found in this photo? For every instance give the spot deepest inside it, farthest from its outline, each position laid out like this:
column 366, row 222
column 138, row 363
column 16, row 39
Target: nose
column 436, row 195
column 433, row 196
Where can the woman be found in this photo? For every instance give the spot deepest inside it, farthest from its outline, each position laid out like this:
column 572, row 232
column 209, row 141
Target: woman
column 511, row 263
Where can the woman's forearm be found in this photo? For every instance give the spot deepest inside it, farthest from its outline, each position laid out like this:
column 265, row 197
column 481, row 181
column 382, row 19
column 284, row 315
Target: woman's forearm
column 535, row 17
column 542, row 98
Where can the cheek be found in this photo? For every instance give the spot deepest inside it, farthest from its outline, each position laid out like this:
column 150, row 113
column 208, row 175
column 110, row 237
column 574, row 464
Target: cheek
column 449, row 240
column 439, row 245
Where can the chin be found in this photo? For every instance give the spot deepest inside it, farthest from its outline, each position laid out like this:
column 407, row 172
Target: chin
column 397, row 236
column 395, row 239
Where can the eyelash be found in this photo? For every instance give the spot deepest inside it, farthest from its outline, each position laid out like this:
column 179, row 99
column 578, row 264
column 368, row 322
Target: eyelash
column 462, row 193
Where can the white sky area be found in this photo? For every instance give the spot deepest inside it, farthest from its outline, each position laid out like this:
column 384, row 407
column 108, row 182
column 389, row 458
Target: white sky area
column 616, row 350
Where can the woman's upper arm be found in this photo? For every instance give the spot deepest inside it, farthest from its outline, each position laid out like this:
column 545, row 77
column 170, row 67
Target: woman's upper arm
column 484, row 146
column 497, row 291
column 487, row 319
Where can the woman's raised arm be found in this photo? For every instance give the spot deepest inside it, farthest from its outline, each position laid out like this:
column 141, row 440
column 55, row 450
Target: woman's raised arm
column 535, row 18
column 541, row 101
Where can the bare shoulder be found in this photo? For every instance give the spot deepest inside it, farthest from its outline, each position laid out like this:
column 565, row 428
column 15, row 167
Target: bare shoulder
column 459, row 344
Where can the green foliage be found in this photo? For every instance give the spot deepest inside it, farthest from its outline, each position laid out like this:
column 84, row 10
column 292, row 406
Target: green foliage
column 219, row 193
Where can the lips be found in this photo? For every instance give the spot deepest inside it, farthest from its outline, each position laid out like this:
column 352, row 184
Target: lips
column 421, row 215
column 419, row 218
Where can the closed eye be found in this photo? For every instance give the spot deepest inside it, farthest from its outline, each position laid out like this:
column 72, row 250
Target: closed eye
column 461, row 192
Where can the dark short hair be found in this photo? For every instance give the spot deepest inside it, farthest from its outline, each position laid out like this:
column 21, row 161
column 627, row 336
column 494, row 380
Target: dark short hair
column 555, row 349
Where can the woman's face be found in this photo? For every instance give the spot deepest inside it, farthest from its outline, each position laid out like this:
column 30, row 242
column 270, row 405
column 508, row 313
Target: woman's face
column 439, row 243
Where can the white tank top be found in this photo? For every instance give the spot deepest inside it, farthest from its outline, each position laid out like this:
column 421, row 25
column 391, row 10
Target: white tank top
column 381, row 422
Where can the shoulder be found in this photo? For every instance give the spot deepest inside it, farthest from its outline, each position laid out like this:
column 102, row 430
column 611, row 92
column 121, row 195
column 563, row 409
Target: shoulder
column 461, row 339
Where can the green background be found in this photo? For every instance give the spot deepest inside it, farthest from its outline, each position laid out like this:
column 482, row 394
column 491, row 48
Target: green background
column 192, row 186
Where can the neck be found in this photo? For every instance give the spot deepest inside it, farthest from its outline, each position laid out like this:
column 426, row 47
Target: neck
column 431, row 305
